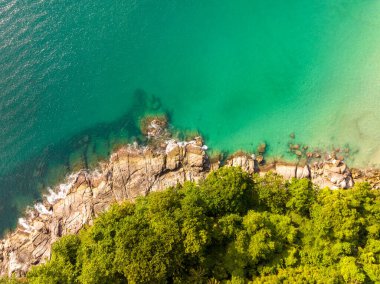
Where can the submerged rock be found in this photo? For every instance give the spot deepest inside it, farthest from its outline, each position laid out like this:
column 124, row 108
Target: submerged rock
column 154, row 126
column 262, row 148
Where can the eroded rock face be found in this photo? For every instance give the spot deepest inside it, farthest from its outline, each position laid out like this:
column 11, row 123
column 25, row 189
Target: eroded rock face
column 131, row 172
column 372, row 176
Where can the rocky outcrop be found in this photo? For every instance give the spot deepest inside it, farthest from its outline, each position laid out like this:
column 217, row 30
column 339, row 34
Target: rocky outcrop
column 289, row 171
column 134, row 171
column 247, row 162
column 330, row 173
column 370, row 175
column 333, row 174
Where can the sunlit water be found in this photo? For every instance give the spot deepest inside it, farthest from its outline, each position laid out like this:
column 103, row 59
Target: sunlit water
column 240, row 72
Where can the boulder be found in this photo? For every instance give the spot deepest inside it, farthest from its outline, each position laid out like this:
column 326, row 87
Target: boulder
column 242, row 160
column 287, row 171
column 303, row 172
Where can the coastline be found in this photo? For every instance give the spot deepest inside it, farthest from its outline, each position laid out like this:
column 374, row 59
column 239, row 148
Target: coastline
column 135, row 170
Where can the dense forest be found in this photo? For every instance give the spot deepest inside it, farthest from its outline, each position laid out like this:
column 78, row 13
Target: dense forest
column 230, row 228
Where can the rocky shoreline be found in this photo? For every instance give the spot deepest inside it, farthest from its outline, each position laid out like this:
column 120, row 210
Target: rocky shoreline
column 136, row 170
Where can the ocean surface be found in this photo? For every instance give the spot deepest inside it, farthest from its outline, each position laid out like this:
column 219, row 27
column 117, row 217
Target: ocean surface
column 76, row 76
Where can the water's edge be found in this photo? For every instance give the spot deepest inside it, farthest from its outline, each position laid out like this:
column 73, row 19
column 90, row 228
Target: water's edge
column 134, row 170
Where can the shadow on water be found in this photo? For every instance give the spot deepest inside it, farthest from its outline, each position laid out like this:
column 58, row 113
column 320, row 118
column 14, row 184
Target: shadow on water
column 26, row 183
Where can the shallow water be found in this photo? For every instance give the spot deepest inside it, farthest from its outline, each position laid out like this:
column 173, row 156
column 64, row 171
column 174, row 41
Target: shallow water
column 240, row 72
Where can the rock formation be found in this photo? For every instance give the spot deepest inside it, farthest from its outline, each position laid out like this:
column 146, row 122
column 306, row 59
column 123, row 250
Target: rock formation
column 133, row 171
column 330, row 173
column 371, row 175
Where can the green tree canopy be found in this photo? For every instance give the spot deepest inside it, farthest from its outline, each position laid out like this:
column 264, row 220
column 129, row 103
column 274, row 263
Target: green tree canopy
column 229, row 228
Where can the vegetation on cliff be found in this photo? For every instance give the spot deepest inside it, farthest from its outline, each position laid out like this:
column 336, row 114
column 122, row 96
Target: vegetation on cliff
column 231, row 228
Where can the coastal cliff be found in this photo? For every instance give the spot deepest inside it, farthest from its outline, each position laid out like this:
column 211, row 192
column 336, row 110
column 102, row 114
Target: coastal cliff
column 132, row 171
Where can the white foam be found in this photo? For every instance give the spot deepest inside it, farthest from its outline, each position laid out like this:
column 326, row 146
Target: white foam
column 61, row 190
column 171, row 144
column 42, row 209
column 23, row 222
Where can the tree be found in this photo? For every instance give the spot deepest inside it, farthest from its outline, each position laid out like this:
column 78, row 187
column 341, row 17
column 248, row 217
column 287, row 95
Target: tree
column 230, row 228
column 62, row 267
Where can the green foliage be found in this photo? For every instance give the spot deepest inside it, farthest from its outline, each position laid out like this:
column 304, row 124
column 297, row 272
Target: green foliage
column 12, row 280
column 62, row 266
column 227, row 191
column 230, row 228
column 301, row 196
column 272, row 193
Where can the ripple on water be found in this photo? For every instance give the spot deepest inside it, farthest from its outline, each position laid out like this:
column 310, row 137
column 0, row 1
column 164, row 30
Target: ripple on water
column 241, row 72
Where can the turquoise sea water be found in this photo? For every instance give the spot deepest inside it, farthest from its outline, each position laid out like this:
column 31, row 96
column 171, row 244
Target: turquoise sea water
column 75, row 76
